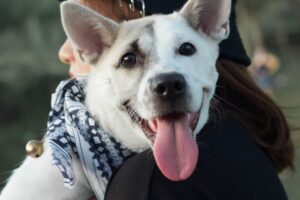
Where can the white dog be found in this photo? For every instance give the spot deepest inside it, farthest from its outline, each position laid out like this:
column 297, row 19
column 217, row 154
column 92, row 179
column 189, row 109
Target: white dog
column 162, row 76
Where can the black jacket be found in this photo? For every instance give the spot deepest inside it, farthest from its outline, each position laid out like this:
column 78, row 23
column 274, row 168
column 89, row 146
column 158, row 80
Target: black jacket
column 230, row 167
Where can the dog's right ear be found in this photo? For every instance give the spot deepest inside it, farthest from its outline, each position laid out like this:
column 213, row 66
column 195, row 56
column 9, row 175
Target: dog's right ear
column 89, row 31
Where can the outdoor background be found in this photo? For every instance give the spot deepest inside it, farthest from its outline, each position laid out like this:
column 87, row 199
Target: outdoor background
column 31, row 34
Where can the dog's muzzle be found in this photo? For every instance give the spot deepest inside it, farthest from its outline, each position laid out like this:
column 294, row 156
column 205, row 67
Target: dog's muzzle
column 171, row 126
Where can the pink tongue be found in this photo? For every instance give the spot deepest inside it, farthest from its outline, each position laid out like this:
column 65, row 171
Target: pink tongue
column 175, row 150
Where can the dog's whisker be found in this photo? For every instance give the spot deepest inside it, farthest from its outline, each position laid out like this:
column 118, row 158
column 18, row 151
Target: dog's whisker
column 113, row 109
column 81, row 76
column 220, row 86
column 131, row 112
column 115, row 114
column 227, row 102
column 214, row 109
column 103, row 77
column 133, row 105
column 212, row 113
column 98, row 85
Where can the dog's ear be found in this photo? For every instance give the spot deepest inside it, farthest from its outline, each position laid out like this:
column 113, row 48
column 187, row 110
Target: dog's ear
column 89, row 31
column 209, row 16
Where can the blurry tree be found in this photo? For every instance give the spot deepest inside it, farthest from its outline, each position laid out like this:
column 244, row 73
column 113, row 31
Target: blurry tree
column 30, row 36
column 273, row 23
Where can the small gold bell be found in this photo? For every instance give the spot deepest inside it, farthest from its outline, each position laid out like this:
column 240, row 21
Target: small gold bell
column 34, row 148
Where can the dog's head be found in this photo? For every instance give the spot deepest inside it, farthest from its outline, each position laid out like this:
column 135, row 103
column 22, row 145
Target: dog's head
column 154, row 77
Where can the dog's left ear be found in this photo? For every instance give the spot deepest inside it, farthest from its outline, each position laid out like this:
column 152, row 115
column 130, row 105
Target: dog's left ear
column 89, row 31
column 209, row 16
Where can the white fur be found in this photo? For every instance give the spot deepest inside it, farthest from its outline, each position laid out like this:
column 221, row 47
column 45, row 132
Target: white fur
column 108, row 86
column 37, row 178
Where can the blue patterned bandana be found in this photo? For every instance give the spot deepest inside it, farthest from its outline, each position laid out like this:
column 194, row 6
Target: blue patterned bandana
column 73, row 131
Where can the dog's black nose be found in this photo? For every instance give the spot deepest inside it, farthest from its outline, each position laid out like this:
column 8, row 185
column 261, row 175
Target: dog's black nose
column 168, row 86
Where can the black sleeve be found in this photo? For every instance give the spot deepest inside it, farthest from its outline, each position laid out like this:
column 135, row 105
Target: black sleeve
column 230, row 167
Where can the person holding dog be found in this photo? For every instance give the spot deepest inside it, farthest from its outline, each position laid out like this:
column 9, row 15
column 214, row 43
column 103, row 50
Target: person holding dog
column 242, row 148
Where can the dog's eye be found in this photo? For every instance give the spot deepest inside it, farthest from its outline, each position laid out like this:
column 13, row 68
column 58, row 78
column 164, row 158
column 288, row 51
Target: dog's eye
column 186, row 49
column 128, row 59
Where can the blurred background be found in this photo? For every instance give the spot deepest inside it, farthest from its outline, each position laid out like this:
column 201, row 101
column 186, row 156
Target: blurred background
column 31, row 34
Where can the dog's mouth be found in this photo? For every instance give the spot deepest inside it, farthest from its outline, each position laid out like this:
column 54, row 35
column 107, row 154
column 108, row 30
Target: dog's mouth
column 150, row 127
column 174, row 146
column 143, row 123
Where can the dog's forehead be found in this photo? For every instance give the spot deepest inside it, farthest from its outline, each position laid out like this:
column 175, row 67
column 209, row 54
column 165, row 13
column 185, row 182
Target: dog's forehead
column 134, row 30
column 150, row 26
column 148, row 32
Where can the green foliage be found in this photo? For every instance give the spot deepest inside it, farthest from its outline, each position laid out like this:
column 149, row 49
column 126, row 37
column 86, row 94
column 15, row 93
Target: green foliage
column 14, row 13
column 30, row 38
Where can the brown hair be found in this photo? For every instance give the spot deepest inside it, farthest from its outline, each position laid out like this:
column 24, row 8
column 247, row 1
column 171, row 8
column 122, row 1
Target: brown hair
column 238, row 93
column 113, row 9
